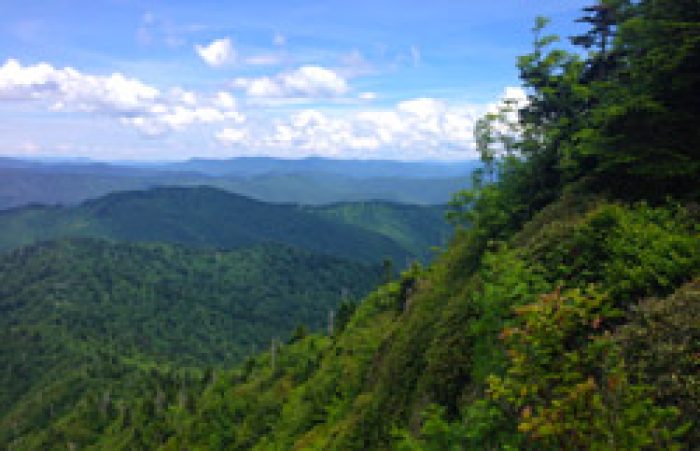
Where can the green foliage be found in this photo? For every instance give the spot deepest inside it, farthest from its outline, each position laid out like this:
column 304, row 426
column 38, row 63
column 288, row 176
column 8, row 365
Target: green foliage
column 436, row 434
column 345, row 312
column 613, row 115
column 416, row 228
column 76, row 315
column 661, row 343
column 567, row 384
column 549, row 376
column 633, row 251
column 209, row 218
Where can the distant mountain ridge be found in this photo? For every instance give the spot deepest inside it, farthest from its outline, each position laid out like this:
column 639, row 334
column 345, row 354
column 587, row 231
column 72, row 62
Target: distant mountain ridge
column 309, row 181
column 253, row 166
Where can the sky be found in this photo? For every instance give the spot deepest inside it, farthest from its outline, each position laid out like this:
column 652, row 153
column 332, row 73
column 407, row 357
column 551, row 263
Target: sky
column 170, row 80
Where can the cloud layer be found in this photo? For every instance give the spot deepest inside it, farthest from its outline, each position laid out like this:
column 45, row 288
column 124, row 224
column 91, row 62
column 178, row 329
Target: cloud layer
column 413, row 128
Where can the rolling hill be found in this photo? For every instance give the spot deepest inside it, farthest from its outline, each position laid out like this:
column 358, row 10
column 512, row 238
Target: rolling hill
column 202, row 217
column 211, row 218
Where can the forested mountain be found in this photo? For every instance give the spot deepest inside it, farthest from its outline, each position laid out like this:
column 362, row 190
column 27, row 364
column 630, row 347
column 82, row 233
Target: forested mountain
column 206, row 217
column 310, row 181
column 417, row 228
column 71, row 307
column 564, row 313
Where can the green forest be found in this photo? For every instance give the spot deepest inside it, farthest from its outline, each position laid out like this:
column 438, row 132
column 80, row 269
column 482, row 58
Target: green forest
column 76, row 311
column 564, row 313
column 206, row 217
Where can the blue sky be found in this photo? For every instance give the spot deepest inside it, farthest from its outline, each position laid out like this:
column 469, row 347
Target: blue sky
column 167, row 80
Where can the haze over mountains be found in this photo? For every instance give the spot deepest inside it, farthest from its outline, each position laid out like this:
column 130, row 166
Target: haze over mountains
column 305, row 181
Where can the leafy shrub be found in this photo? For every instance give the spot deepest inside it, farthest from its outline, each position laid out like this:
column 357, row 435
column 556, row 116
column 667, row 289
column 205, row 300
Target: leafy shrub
column 568, row 385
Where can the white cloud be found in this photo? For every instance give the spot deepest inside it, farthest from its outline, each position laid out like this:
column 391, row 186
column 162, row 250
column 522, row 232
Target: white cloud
column 230, row 136
column 367, row 96
column 161, row 119
column 73, row 90
column 186, row 97
column 128, row 99
column 516, row 93
column 421, row 127
column 304, row 82
column 422, row 107
column 218, row 53
column 414, row 128
column 225, row 101
column 511, row 100
column 259, row 87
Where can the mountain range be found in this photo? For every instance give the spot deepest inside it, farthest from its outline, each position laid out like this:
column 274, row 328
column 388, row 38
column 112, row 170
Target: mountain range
column 306, row 181
column 210, row 218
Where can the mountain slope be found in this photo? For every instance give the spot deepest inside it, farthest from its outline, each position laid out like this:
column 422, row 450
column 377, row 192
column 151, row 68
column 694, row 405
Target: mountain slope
column 435, row 360
column 89, row 303
column 202, row 217
column 416, row 228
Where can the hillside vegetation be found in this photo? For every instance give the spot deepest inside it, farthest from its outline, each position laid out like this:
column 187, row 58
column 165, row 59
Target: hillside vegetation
column 79, row 304
column 416, row 228
column 210, row 218
column 562, row 315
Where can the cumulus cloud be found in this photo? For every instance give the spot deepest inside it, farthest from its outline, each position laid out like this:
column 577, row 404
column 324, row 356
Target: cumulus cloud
column 225, row 101
column 304, row 82
column 162, row 119
column 218, row 53
column 420, row 127
column 70, row 89
column 128, row 99
column 416, row 128
column 423, row 107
